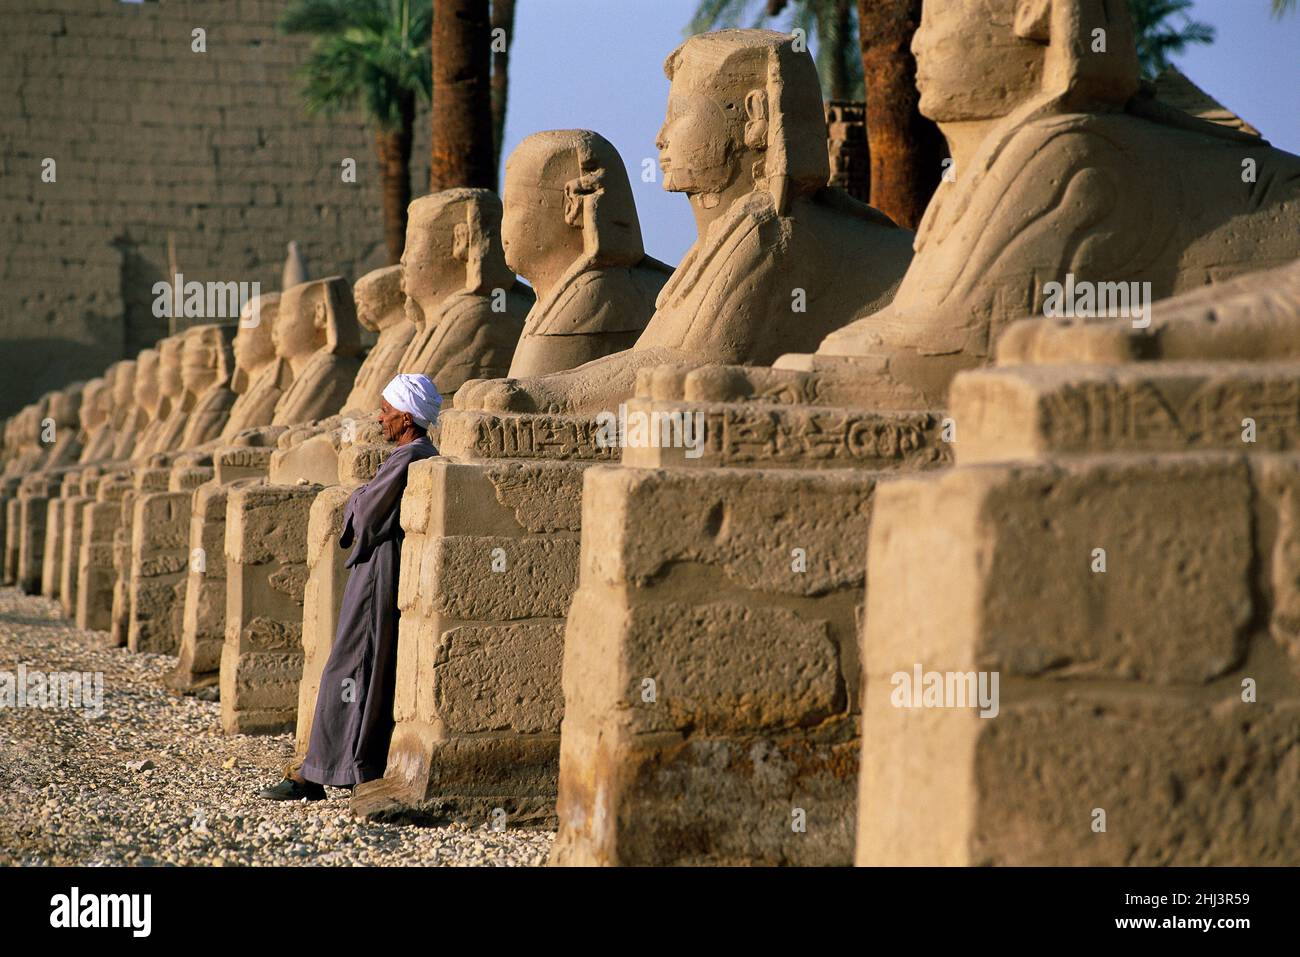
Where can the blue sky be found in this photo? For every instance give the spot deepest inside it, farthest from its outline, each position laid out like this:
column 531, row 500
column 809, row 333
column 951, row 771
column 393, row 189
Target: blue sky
column 598, row 64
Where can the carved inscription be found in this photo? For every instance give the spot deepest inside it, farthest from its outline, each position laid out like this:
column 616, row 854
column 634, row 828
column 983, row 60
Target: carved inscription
column 737, row 435
column 1172, row 415
column 539, row 437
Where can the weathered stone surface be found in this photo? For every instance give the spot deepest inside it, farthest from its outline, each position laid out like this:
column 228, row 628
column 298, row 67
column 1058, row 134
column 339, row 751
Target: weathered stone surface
column 488, row 435
column 502, row 678
column 1146, row 714
column 1030, row 411
column 1206, row 781
column 262, row 658
column 159, row 562
column 711, row 677
column 1011, row 550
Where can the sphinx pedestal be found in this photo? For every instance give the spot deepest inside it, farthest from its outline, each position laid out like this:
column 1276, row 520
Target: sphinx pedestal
column 203, row 615
column 79, row 490
column 488, row 568
column 52, row 550
column 1123, row 551
column 711, row 673
column 34, row 495
column 144, row 480
column 160, row 557
column 266, row 571
column 9, row 506
column 96, row 571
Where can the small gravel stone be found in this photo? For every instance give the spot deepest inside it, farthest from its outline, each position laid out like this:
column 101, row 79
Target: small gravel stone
column 152, row 780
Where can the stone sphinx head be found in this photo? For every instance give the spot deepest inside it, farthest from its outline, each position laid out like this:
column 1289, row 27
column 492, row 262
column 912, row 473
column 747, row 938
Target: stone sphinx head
column 379, row 299
column 567, row 196
column 744, row 112
column 170, row 384
column 96, row 399
column 253, row 347
column 453, row 243
column 316, row 317
column 206, row 358
column 982, row 60
column 122, row 380
column 145, row 391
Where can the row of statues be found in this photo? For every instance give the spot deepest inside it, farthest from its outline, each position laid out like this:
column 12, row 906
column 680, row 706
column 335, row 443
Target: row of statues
column 1065, row 167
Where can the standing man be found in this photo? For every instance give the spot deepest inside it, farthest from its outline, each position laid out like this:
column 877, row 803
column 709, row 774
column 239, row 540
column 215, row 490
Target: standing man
column 354, row 706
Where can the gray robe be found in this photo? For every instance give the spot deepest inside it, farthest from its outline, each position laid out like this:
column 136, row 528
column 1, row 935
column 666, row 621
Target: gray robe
column 354, row 707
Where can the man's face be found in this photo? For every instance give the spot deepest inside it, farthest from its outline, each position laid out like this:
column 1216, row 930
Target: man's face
column 970, row 65
column 393, row 422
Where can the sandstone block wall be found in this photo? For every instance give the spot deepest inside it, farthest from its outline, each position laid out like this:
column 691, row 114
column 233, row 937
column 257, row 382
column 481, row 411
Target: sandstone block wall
column 151, row 138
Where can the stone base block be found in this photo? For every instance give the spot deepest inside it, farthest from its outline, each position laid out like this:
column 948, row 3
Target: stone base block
column 1139, row 616
column 96, row 571
column 266, row 572
column 159, row 559
column 710, row 668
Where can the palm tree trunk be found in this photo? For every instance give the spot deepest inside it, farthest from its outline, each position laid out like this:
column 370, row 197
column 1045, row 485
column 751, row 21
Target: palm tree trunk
column 394, row 149
column 843, row 28
column 462, row 153
column 503, row 18
column 907, row 150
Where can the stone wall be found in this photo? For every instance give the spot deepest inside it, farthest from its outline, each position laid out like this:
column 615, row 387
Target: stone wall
column 151, row 138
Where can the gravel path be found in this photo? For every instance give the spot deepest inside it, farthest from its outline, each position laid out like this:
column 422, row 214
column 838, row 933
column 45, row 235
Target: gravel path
column 152, row 780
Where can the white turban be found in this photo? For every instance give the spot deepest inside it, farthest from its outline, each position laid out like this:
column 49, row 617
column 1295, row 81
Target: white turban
column 414, row 394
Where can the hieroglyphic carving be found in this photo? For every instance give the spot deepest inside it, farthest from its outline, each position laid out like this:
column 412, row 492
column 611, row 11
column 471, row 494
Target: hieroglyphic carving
column 1164, row 415
column 525, row 435
column 741, row 434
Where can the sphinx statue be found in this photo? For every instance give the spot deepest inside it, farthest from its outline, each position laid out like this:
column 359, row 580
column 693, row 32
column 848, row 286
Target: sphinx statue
column 570, row 228
column 96, row 419
column 207, row 367
column 1066, row 169
column 167, row 422
column 467, row 306
column 1255, row 317
column 781, row 258
column 122, row 412
column 261, row 375
column 141, row 405
column 381, row 308
column 61, row 432
column 316, row 333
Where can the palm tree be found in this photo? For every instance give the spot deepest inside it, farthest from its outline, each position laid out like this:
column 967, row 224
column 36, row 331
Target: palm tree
column 503, row 18
column 832, row 22
column 906, row 149
column 462, row 151
column 1157, row 38
column 373, row 53
column 1282, row 6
